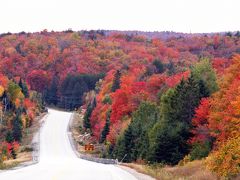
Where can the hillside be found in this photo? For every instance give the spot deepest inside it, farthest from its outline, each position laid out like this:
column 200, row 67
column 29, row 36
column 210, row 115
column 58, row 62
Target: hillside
column 155, row 97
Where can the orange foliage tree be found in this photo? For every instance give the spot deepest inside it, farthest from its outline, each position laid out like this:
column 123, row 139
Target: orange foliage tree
column 219, row 117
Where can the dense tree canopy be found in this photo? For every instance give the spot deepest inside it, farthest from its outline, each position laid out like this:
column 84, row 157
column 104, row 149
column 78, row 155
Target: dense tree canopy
column 18, row 108
column 155, row 97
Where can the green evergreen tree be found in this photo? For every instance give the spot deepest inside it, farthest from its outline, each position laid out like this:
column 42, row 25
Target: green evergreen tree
column 171, row 68
column 166, row 144
column 126, row 145
column 189, row 98
column 162, row 135
column 88, row 113
column 237, row 34
column 94, row 102
column 9, row 137
column 203, row 90
column 168, row 138
column 200, row 150
column 24, row 88
column 116, row 81
column 86, row 118
column 106, row 129
column 143, row 120
column 228, row 34
column 117, row 151
column 159, row 66
column 17, row 128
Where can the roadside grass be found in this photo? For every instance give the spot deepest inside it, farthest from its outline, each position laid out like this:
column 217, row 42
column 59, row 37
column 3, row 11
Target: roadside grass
column 29, row 133
column 4, row 166
column 21, row 158
column 191, row 171
column 155, row 171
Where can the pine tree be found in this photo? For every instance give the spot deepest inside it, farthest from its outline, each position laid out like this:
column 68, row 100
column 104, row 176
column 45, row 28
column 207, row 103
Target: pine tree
column 171, row 68
column 116, row 81
column 24, row 88
column 143, row 120
column 128, row 142
column 190, row 100
column 203, row 90
column 86, row 118
column 106, row 129
column 166, row 144
column 237, row 34
column 159, row 66
column 94, row 103
column 88, row 113
column 17, row 128
column 9, row 137
column 125, row 146
column 169, row 137
column 117, row 151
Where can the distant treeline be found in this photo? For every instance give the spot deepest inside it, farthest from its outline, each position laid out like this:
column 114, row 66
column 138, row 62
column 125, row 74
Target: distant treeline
column 68, row 94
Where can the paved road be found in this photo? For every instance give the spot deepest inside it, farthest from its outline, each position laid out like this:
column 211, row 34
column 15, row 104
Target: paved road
column 57, row 159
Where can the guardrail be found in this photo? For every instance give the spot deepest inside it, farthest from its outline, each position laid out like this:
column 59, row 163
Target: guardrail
column 98, row 160
column 83, row 156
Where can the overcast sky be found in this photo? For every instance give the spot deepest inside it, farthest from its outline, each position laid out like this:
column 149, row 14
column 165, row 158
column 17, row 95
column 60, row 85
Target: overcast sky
column 147, row 15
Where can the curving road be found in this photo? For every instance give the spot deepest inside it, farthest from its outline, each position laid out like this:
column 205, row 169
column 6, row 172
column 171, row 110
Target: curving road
column 57, row 159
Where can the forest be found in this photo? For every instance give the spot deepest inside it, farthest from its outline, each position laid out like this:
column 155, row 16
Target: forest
column 159, row 98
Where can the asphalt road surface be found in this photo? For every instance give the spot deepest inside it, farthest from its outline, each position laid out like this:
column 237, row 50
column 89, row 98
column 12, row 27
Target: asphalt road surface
column 57, row 159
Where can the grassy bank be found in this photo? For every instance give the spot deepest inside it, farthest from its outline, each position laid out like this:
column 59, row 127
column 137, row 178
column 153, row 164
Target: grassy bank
column 191, row 171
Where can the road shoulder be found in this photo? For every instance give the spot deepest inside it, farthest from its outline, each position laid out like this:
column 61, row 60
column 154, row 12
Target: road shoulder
column 73, row 124
column 136, row 174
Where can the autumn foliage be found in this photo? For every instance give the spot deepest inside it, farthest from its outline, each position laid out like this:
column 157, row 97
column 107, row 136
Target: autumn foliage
column 129, row 73
column 18, row 108
column 218, row 117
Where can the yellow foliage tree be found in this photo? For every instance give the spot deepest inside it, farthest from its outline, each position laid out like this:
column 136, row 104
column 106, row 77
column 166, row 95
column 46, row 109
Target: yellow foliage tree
column 225, row 161
column 224, row 123
column 14, row 92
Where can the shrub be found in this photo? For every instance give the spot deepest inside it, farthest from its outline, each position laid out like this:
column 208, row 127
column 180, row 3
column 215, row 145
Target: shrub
column 5, row 150
column 8, row 150
column 200, row 150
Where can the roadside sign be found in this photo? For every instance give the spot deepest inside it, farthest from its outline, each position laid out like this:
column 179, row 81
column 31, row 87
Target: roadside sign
column 89, row 147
